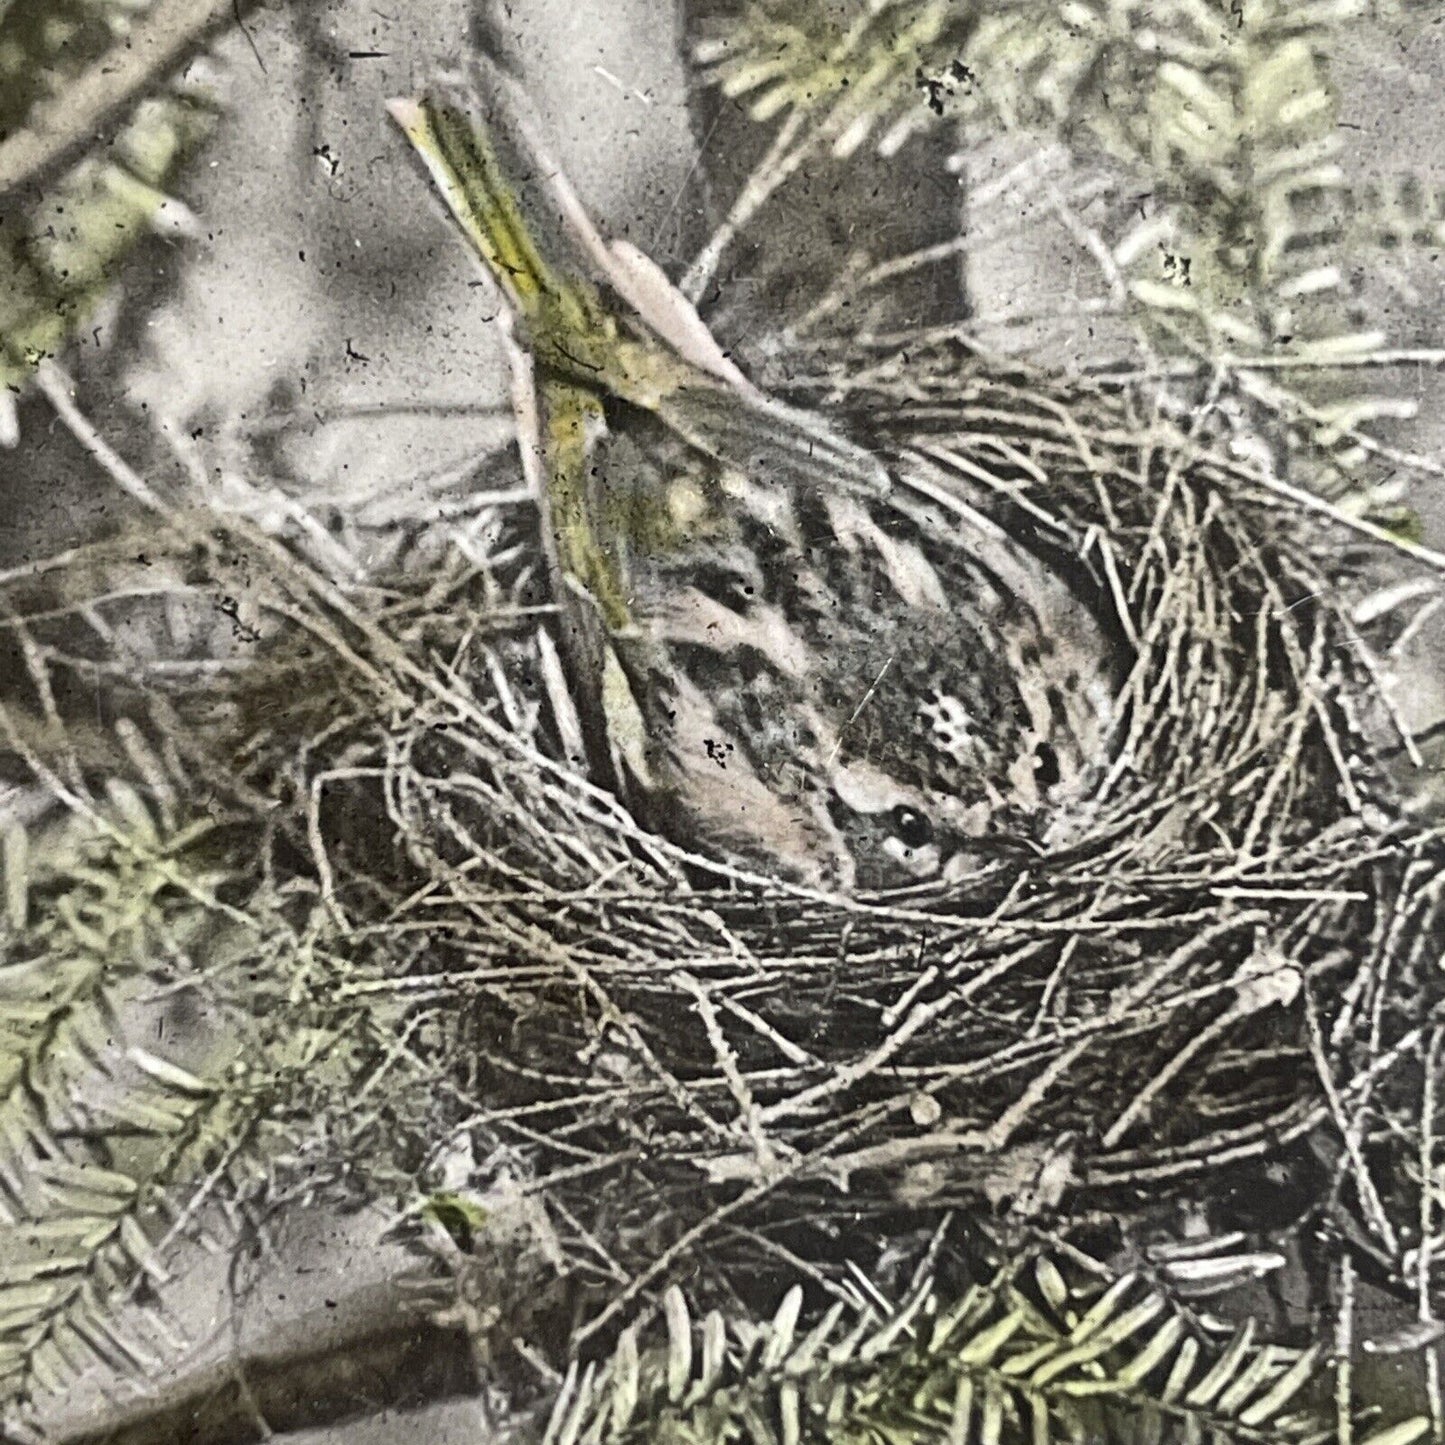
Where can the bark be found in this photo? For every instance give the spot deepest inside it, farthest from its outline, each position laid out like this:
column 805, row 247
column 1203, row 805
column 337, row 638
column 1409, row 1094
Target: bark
column 365, row 1355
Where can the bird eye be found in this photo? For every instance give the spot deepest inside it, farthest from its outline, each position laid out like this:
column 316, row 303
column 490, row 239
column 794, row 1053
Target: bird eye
column 911, row 827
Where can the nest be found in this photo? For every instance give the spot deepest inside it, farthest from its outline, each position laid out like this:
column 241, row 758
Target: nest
column 1230, row 954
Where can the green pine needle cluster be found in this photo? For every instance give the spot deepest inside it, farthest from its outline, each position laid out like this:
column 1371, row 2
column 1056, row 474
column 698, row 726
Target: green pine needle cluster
column 1023, row 1357
column 1221, row 113
column 91, row 1116
column 62, row 244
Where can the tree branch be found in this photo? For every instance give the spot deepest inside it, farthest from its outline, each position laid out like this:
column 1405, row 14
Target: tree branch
column 87, row 108
column 365, row 1355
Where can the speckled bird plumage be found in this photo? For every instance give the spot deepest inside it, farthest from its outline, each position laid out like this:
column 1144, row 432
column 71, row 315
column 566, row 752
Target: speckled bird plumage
column 808, row 662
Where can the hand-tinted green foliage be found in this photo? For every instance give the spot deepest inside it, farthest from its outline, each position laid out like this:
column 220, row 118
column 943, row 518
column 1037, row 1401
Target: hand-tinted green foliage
column 62, row 243
column 1021, row 1357
column 1218, row 120
column 1227, row 110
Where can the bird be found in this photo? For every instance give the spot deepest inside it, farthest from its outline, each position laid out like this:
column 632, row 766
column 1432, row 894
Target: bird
column 793, row 653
